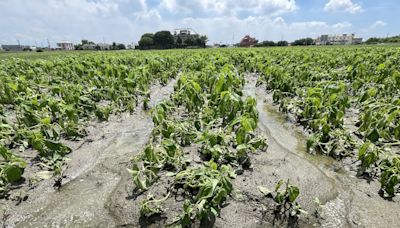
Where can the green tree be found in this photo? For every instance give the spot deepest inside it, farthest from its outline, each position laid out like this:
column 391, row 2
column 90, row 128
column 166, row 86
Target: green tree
column 146, row 42
column 303, row 41
column 266, row 43
column 282, row 43
column 189, row 41
column 179, row 41
column 163, row 39
column 149, row 35
column 121, row 46
column 204, row 40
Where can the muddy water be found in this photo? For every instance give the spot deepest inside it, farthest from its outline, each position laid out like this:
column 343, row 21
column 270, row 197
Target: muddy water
column 95, row 169
column 347, row 200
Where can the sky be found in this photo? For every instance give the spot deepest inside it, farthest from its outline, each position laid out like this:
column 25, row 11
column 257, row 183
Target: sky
column 223, row 21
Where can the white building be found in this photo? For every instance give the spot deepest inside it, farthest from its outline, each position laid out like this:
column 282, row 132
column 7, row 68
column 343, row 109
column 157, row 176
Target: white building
column 89, row 47
column 338, row 39
column 65, row 45
column 103, row 46
column 185, row 33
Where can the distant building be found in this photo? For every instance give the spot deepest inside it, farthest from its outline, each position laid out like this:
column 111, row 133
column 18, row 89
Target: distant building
column 65, row 46
column 338, row 39
column 130, row 46
column 15, row 47
column 322, row 40
column 184, row 34
column 248, row 41
column 89, row 47
column 102, row 46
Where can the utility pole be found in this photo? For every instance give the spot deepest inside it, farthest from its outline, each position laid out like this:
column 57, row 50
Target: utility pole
column 48, row 44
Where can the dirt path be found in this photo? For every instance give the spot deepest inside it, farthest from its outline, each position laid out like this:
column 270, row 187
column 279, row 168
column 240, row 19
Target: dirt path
column 94, row 171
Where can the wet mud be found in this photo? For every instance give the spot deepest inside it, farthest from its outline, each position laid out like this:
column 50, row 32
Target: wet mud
column 95, row 169
column 346, row 200
column 98, row 191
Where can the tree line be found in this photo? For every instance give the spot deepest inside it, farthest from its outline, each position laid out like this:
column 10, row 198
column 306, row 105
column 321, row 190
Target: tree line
column 282, row 43
column 165, row 40
column 86, row 44
column 376, row 40
column 268, row 43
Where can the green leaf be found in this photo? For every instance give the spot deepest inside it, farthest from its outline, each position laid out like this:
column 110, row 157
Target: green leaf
column 293, row 193
column 278, row 185
column 363, row 149
column 13, row 173
column 373, row 135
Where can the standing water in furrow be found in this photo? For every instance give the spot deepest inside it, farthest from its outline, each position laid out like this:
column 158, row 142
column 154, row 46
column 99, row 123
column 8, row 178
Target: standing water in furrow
column 345, row 200
column 94, row 171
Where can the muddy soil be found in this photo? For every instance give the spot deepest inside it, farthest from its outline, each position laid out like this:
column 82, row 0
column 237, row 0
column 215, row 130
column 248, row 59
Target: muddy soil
column 96, row 166
column 347, row 201
column 98, row 191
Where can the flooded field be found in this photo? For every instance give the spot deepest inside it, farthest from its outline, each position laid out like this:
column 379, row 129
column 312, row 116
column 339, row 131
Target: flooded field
column 216, row 142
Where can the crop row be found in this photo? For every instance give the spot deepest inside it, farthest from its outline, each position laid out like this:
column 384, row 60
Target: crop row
column 325, row 89
column 207, row 111
column 45, row 102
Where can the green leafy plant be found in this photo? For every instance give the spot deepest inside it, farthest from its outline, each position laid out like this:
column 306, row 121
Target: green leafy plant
column 390, row 177
column 11, row 169
column 208, row 188
column 151, row 206
column 286, row 199
column 369, row 155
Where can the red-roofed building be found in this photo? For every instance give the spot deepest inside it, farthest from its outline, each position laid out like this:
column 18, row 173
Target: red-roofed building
column 248, row 41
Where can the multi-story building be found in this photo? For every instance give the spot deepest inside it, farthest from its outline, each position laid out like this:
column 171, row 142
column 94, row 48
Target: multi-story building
column 184, row 34
column 89, row 46
column 66, row 46
column 248, row 41
column 15, row 47
column 337, row 39
column 103, row 46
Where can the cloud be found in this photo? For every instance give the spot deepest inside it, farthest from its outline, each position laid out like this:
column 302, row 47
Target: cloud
column 342, row 25
column 126, row 20
column 377, row 24
column 228, row 7
column 231, row 29
column 343, row 6
column 68, row 20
